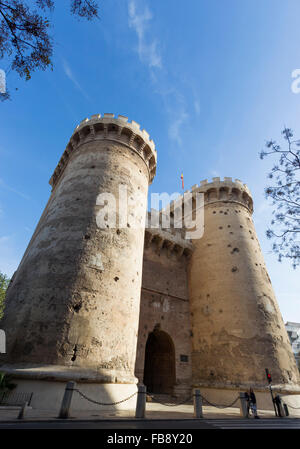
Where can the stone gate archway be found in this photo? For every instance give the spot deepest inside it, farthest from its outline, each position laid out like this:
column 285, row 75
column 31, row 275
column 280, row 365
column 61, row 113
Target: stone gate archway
column 159, row 369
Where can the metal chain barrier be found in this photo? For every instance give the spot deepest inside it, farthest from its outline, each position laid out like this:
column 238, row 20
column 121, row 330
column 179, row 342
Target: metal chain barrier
column 169, row 404
column 220, row 406
column 103, row 403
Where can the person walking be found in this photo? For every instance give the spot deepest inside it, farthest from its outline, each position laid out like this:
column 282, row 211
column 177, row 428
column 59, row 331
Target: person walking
column 247, row 397
column 252, row 403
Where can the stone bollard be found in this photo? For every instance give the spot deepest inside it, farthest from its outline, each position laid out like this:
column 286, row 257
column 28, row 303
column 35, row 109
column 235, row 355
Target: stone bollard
column 141, row 402
column 286, row 409
column 279, row 405
column 66, row 402
column 22, row 411
column 244, row 411
column 198, row 413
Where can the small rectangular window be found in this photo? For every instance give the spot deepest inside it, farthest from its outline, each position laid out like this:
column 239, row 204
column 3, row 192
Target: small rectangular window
column 184, row 358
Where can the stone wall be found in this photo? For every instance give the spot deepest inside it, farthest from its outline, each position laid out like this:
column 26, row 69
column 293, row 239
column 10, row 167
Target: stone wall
column 165, row 307
column 237, row 326
column 74, row 301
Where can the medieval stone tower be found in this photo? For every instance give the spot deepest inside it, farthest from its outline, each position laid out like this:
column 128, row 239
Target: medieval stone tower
column 113, row 305
column 72, row 310
column 236, row 323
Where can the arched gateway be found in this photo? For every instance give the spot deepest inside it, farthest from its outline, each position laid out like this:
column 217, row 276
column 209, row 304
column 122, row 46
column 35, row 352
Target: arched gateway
column 159, row 371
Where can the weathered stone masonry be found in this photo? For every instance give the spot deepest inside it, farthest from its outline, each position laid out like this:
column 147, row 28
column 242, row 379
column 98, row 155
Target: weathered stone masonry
column 74, row 301
column 114, row 306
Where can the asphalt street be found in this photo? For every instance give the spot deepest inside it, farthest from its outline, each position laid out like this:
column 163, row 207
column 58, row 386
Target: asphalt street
column 158, row 424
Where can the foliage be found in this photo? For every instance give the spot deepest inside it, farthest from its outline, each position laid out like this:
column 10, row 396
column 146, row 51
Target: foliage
column 4, row 281
column 285, row 194
column 24, row 33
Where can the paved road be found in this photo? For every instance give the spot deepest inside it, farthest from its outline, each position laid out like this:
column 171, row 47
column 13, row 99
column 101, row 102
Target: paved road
column 160, row 424
column 279, row 423
column 114, row 424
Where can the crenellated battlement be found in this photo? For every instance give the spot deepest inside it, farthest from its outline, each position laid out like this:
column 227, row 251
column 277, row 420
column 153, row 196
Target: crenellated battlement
column 110, row 128
column 225, row 190
column 167, row 239
column 227, row 181
column 170, row 238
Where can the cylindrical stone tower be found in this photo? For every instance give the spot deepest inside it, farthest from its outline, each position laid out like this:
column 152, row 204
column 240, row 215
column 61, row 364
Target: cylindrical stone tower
column 72, row 308
column 237, row 328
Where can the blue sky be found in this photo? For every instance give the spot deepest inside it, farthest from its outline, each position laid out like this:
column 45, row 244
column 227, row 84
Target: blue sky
column 209, row 80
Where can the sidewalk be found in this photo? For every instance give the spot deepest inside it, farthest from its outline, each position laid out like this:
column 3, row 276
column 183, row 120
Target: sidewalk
column 153, row 411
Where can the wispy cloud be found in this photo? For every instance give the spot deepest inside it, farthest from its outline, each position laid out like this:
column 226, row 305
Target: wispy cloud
column 3, row 239
column 69, row 73
column 175, row 127
column 12, row 189
column 197, row 107
column 147, row 48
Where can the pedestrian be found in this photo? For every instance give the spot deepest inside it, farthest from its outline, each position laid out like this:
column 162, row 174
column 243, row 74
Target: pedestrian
column 247, row 397
column 252, row 403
